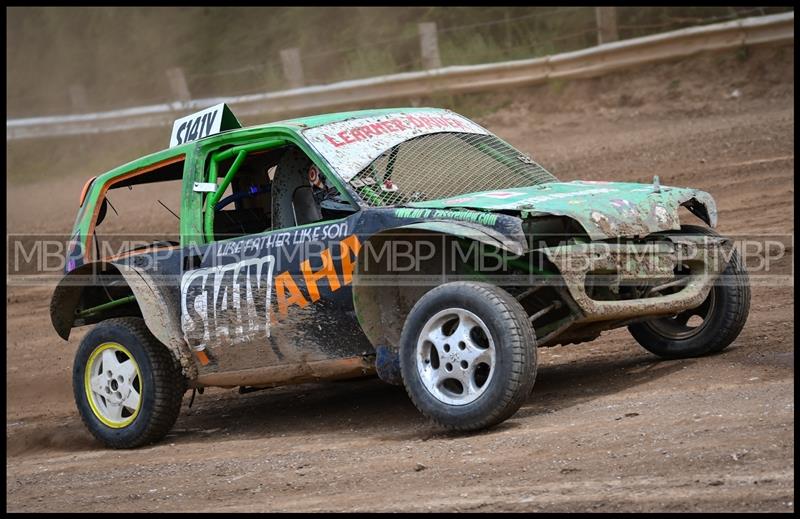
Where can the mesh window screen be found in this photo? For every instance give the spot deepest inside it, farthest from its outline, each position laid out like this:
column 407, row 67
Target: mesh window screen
column 443, row 165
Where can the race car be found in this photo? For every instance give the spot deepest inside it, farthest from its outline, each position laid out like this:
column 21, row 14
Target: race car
column 411, row 244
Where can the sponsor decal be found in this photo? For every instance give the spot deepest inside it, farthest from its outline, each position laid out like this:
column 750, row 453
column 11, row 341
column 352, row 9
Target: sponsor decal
column 252, row 245
column 287, row 291
column 399, row 124
column 232, row 303
column 462, row 216
column 501, row 194
column 351, row 145
column 228, row 302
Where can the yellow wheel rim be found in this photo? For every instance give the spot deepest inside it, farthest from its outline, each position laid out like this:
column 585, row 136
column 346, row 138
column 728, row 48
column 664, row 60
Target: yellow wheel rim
column 113, row 385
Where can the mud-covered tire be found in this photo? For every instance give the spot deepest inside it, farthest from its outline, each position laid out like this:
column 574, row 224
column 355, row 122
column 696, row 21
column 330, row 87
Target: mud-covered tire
column 506, row 384
column 729, row 301
column 155, row 378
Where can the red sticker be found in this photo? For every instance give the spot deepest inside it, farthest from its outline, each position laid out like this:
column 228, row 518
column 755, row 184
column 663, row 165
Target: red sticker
column 388, row 185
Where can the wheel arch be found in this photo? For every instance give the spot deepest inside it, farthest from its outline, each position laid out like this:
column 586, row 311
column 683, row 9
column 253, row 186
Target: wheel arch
column 382, row 308
column 153, row 303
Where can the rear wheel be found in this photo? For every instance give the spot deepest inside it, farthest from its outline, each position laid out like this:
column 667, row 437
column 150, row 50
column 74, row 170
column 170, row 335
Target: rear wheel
column 708, row 328
column 128, row 387
column 468, row 355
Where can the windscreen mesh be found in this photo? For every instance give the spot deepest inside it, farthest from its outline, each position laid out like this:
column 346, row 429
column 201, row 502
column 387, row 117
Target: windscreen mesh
column 443, row 165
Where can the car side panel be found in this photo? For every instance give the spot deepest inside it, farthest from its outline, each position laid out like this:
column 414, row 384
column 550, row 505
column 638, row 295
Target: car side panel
column 274, row 298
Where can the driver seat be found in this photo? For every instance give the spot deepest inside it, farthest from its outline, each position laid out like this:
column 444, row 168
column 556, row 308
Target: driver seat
column 293, row 200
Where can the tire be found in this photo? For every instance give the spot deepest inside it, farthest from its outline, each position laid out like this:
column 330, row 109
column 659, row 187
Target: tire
column 724, row 314
column 508, row 350
column 140, row 365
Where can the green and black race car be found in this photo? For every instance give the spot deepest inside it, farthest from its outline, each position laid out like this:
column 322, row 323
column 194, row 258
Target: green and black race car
column 408, row 243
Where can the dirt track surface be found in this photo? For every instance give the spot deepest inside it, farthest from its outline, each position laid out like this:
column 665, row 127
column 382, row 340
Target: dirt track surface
column 608, row 426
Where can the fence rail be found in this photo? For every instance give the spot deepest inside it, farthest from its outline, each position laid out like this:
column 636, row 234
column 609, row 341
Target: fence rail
column 589, row 62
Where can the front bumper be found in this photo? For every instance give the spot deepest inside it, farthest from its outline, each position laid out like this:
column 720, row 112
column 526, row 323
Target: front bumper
column 643, row 264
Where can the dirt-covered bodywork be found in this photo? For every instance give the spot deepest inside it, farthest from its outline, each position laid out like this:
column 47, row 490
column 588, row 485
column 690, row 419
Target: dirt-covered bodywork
column 343, row 225
column 292, row 338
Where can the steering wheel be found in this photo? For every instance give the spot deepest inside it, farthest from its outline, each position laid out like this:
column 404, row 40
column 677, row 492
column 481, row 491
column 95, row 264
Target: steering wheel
column 250, row 191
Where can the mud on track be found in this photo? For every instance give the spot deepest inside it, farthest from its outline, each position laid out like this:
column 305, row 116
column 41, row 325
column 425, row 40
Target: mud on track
column 608, row 425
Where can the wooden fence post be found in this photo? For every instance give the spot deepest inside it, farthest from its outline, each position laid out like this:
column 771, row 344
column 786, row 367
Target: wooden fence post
column 606, row 24
column 292, row 67
column 429, row 45
column 79, row 99
column 178, row 84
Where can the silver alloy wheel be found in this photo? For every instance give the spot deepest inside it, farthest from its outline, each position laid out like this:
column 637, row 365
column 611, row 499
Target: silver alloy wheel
column 455, row 356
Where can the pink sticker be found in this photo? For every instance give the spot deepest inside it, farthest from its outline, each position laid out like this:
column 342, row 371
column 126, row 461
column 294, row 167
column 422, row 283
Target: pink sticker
column 500, row 194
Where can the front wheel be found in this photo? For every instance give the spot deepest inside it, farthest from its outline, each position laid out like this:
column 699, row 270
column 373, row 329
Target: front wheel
column 468, row 355
column 708, row 328
column 128, row 387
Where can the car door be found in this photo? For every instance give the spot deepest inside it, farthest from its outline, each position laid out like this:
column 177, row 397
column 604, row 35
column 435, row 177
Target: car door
column 278, row 297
